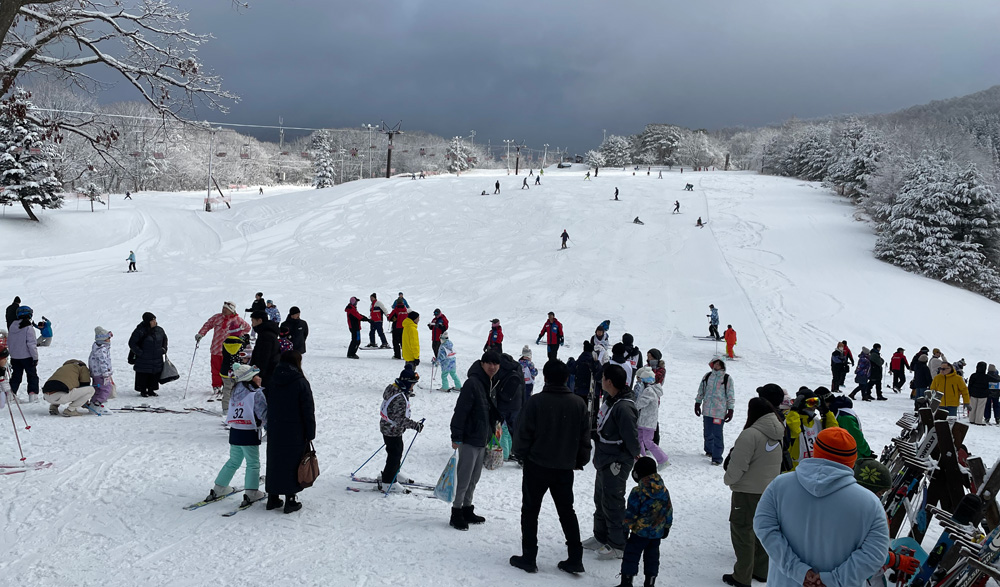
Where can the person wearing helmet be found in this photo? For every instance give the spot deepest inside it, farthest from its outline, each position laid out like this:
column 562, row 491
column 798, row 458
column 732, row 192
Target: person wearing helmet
column 805, row 424
column 246, row 416
column 394, row 420
column 23, row 353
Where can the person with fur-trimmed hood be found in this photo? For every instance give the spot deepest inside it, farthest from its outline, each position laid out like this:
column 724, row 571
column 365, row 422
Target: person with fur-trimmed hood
column 101, row 370
column 448, row 364
column 394, row 419
column 246, row 417
column 717, row 392
column 808, row 416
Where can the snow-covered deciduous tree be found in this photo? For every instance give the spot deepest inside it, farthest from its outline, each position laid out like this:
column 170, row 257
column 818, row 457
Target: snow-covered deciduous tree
column 321, row 149
column 594, row 159
column 657, row 143
column 697, row 149
column 458, row 156
column 25, row 151
column 617, row 151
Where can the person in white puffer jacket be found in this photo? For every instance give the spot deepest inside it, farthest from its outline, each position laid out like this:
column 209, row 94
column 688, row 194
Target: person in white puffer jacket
column 647, row 394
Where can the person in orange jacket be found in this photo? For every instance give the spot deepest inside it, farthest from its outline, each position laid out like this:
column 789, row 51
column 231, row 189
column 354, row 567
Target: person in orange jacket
column 730, row 336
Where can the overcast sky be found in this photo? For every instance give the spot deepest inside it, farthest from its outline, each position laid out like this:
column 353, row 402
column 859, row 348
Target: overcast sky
column 560, row 72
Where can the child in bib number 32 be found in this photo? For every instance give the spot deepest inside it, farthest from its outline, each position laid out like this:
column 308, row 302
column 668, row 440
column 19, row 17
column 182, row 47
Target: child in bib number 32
column 246, row 416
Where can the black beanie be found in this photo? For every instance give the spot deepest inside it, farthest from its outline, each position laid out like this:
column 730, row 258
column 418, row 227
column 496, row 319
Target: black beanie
column 490, row 357
column 259, row 315
column 588, row 347
column 293, row 310
column 628, row 339
column 148, row 317
column 644, row 467
column 772, row 392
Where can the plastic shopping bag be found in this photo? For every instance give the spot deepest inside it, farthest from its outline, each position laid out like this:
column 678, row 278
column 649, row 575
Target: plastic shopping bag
column 445, row 488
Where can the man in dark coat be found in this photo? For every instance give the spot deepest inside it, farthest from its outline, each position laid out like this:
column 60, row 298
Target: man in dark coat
column 11, row 314
column 297, row 328
column 875, row 373
column 472, row 424
column 553, row 439
column 510, row 391
column 266, row 352
column 258, row 305
column 291, row 417
column 586, row 369
column 148, row 344
column 354, row 320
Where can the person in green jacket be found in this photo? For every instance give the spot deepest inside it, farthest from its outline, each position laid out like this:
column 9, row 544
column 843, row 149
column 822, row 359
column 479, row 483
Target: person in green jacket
column 843, row 409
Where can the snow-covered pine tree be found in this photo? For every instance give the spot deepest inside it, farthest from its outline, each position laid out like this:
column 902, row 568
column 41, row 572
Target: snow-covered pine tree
column 981, row 212
column 856, row 158
column 25, row 151
column 617, row 151
column 321, row 148
column 458, row 156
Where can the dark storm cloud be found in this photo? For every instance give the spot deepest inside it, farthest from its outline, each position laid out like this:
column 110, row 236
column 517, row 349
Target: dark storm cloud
column 560, row 72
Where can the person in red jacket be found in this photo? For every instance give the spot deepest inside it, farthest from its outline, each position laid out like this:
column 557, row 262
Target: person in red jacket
column 376, row 314
column 354, row 320
column 847, row 353
column 494, row 341
column 553, row 332
column 438, row 326
column 730, row 336
column 898, row 365
column 397, row 316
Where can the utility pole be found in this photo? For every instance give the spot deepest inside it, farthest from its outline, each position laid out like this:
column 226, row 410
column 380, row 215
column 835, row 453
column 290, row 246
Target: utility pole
column 390, row 132
column 508, row 141
column 472, row 134
column 546, row 154
column 517, row 161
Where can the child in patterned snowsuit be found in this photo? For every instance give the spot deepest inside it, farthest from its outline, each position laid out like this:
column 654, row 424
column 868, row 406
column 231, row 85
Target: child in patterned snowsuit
column 649, row 514
column 446, row 360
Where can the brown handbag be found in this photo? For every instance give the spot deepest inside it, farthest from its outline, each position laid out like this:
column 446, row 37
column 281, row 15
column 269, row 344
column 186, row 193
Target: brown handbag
column 308, row 467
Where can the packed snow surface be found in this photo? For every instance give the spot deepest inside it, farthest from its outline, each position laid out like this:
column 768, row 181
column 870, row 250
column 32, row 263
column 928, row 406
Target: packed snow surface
column 785, row 261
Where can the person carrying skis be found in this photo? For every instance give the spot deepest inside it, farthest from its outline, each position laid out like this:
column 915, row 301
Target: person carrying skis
column 730, row 336
column 397, row 316
column 225, row 323
column 494, row 340
column 273, row 314
column 528, row 370
column 131, row 262
column 804, row 424
column 246, row 416
column 552, row 330
column 898, row 365
column 258, row 304
column 447, row 363
column 376, row 314
column 354, row 320
column 394, row 419
column 565, row 237
column 411, row 341
column 70, row 384
column 101, row 370
column 713, row 322
column 716, row 391
column 438, row 326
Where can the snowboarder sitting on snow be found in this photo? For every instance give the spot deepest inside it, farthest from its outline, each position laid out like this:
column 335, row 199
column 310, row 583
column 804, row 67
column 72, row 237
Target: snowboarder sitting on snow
column 246, row 415
column 70, row 384
column 100, row 367
column 804, row 425
column 689, row 187
column 649, row 514
column 843, row 409
column 394, row 420
column 483, row 194
column 448, row 364
column 637, row 221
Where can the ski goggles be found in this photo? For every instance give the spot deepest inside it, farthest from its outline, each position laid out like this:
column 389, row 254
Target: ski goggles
column 812, row 402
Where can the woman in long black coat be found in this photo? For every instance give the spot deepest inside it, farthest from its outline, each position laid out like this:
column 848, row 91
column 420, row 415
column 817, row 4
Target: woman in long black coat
column 148, row 343
column 291, row 420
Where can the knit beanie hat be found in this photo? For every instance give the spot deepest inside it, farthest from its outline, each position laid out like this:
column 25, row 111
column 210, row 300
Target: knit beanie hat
column 865, row 351
column 407, row 377
column 245, row 372
column 872, row 475
column 293, row 310
column 588, row 347
column 101, row 335
column 259, row 315
column 656, row 354
column 645, row 375
column 772, row 392
column 526, row 352
column 628, row 339
column 643, row 467
column 148, row 317
column 837, row 445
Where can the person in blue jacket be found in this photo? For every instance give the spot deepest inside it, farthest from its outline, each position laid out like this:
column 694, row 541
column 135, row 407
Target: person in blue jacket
column 44, row 327
column 818, row 526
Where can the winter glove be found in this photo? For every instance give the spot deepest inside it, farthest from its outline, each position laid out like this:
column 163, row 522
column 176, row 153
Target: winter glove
column 902, row 563
column 729, row 415
column 198, row 337
column 419, row 427
column 697, row 409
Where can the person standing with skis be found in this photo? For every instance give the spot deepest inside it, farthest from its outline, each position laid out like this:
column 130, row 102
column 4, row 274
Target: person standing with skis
column 101, row 370
column 565, row 237
column 898, row 365
column 677, row 205
column 713, row 322
column 438, row 326
column 354, row 320
column 394, row 419
column 131, row 262
column 246, row 416
column 497, row 190
column 225, row 323
column 448, row 364
column 552, row 330
column 377, row 313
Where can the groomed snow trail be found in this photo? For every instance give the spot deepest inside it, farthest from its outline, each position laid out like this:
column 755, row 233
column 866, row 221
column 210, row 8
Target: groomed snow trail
column 783, row 260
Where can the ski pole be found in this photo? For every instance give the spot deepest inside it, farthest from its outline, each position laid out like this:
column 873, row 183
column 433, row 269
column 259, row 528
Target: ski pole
column 16, row 437
column 369, row 458
column 404, row 460
column 430, row 386
column 26, row 427
column 191, row 369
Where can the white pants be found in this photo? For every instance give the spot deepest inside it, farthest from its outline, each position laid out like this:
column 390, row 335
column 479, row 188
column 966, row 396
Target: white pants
column 74, row 397
column 977, row 410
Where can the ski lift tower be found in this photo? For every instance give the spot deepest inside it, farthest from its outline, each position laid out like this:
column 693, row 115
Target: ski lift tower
column 390, row 132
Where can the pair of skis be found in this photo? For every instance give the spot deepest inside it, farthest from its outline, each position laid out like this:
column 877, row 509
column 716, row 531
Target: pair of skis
column 408, row 486
column 229, row 514
column 23, row 467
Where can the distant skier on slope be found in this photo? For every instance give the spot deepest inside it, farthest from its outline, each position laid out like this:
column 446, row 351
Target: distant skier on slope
column 497, row 190
column 677, row 207
column 616, row 194
column 730, row 336
column 524, row 184
column 713, row 322
column 131, row 262
column 538, row 179
column 637, row 221
column 565, row 237
column 699, row 224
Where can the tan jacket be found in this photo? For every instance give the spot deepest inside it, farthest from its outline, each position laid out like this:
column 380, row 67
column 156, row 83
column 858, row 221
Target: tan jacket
column 756, row 457
column 72, row 374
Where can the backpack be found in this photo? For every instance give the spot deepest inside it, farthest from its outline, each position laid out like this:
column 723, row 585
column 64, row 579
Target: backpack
column 725, row 380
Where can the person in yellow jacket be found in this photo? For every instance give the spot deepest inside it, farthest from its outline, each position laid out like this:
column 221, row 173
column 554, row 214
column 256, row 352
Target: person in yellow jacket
column 411, row 341
column 804, row 425
column 952, row 386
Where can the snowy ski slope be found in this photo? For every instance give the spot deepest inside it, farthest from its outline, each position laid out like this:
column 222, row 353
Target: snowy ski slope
column 783, row 260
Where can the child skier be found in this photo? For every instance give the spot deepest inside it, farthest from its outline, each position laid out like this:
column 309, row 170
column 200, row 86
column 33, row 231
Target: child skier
column 804, row 425
column 101, row 370
column 529, row 370
column 394, row 420
column 649, row 515
column 446, row 361
column 648, row 393
column 246, row 416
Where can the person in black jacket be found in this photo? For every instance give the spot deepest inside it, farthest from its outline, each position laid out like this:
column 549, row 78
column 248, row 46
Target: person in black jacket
column 979, row 389
column 472, row 424
column 266, row 352
column 586, row 369
column 616, row 451
column 11, row 314
column 298, row 330
column 875, row 373
column 291, row 416
column 258, row 305
column 553, row 439
column 510, row 391
column 148, row 344
column 922, row 378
